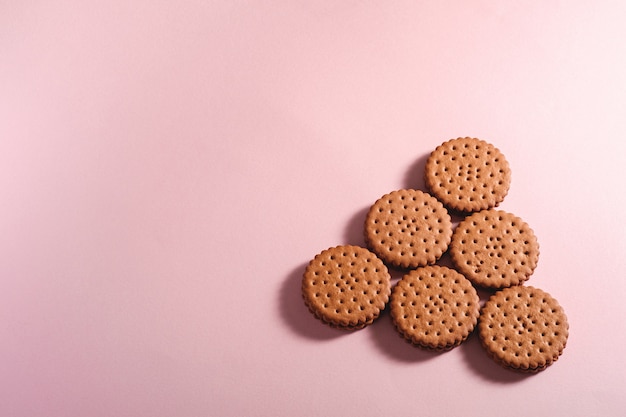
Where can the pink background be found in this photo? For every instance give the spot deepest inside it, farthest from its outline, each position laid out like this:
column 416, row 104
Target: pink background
column 168, row 168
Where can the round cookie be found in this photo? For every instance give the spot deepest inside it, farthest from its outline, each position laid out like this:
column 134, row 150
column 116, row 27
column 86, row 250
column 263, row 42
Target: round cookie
column 346, row 287
column 468, row 174
column 434, row 307
column 494, row 249
column 523, row 328
column 408, row 228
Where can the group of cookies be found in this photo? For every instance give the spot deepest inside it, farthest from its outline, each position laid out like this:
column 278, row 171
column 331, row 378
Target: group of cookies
column 435, row 307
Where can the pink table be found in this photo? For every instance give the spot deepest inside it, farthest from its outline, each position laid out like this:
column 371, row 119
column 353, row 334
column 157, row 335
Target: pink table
column 167, row 169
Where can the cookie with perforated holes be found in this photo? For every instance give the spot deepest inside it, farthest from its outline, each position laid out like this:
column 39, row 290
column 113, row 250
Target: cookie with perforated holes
column 523, row 328
column 346, row 287
column 408, row 228
column 467, row 174
column 434, row 307
column 495, row 249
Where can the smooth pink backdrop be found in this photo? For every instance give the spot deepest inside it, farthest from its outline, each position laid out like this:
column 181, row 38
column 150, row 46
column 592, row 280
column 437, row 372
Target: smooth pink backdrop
column 167, row 168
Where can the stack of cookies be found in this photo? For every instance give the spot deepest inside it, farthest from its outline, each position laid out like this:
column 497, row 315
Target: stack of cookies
column 434, row 307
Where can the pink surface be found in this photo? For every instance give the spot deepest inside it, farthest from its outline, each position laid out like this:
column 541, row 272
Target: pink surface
column 168, row 168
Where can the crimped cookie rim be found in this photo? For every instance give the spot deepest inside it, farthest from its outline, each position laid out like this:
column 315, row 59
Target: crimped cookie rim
column 461, row 205
column 434, row 252
column 460, row 261
column 380, row 300
column 506, row 360
column 458, row 336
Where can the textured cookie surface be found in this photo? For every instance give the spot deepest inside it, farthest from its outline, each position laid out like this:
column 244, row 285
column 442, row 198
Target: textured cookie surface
column 408, row 228
column 523, row 328
column 346, row 286
column 495, row 249
column 468, row 174
column 434, row 307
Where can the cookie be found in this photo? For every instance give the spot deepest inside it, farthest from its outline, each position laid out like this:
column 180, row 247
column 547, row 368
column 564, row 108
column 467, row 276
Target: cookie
column 434, row 307
column 346, row 287
column 408, row 228
column 523, row 328
column 468, row 174
column 495, row 249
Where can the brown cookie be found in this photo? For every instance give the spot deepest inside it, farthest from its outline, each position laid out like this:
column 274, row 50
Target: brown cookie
column 467, row 174
column 523, row 328
column 408, row 228
column 434, row 307
column 495, row 249
column 346, row 287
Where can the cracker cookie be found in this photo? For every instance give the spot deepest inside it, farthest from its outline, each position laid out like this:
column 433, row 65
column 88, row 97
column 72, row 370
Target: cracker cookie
column 434, row 307
column 408, row 228
column 346, row 287
column 495, row 249
column 523, row 328
column 468, row 174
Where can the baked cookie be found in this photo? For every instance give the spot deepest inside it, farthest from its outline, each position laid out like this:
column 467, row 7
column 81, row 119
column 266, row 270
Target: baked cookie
column 523, row 328
column 346, row 287
column 467, row 174
column 495, row 249
column 408, row 228
column 434, row 307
